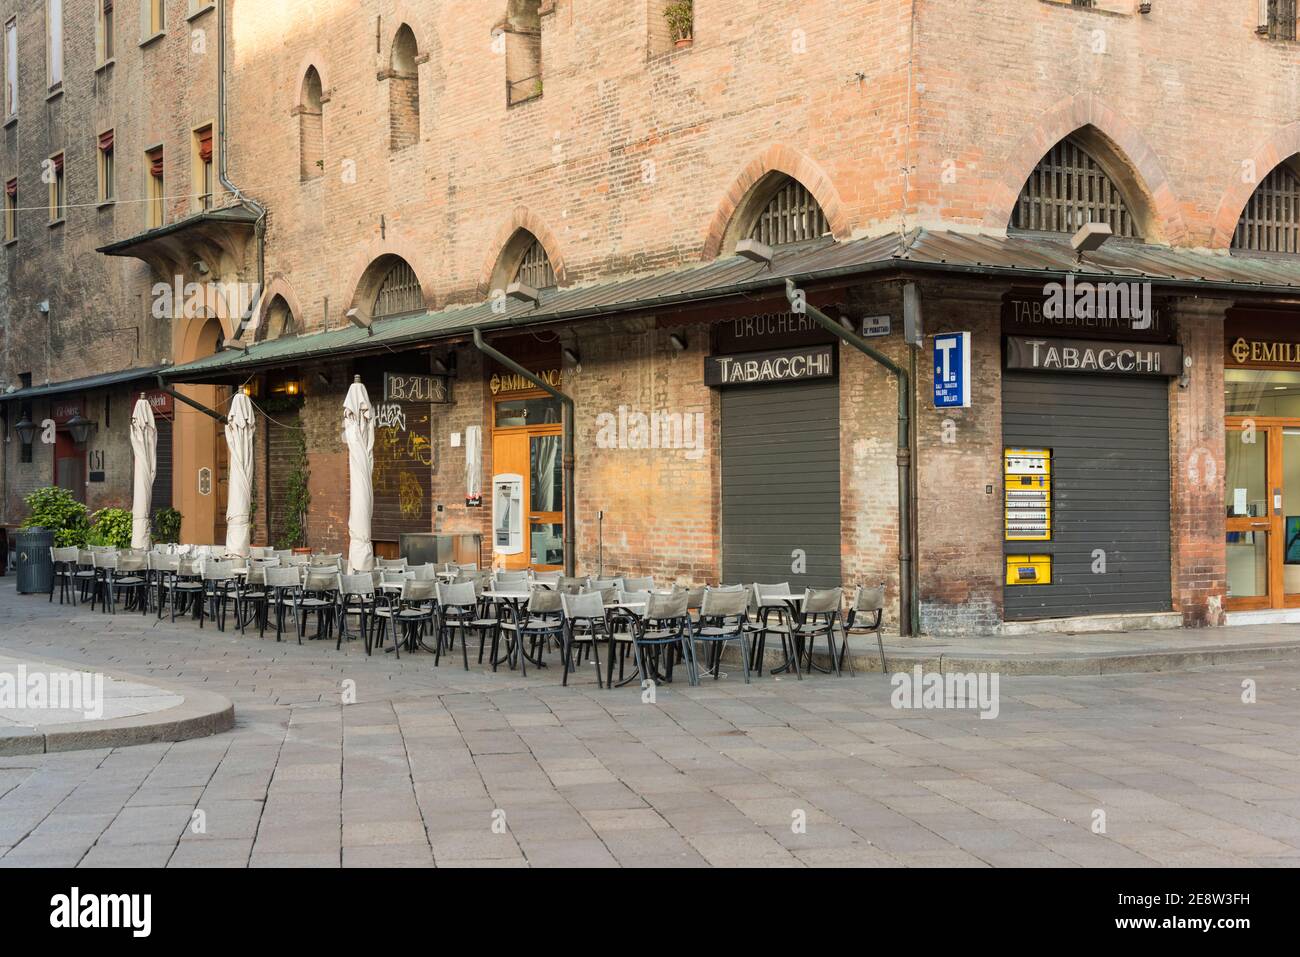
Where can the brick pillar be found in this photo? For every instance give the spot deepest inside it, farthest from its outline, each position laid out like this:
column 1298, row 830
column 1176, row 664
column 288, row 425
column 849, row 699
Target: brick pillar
column 1196, row 453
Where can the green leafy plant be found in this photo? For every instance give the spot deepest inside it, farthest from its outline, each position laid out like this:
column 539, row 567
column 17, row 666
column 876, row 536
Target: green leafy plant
column 112, row 527
column 166, row 526
column 680, row 15
column 297, row 500
column 55, row 509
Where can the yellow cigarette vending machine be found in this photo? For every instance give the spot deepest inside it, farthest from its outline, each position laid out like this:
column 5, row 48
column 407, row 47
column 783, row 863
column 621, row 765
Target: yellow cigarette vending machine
column 1027, row 487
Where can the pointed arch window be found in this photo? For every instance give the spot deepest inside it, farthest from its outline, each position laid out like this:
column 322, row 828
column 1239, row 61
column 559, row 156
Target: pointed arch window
column 404, row 91
column 1271, row 220
column 535, row 268
column 1069, row 188
column 399, row 293
column 311, row 129
column 792, row 215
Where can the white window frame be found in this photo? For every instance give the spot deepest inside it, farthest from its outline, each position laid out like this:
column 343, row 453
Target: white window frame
column 11, row 67
column 54, row 43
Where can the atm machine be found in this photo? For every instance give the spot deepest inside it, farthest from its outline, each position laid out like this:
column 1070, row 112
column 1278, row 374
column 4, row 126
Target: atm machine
column 507, row 514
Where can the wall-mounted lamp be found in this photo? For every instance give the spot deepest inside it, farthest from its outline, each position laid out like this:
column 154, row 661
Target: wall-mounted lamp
column 520, row 292
column 80, row 428
column 677, row 341
column 26, row 430
column 571, row 356
column 292, row 387
column 43, row 307
column 1090, row 237
column 1144, row 7
column 360, row 321
column 234, row 345
column 755, row 251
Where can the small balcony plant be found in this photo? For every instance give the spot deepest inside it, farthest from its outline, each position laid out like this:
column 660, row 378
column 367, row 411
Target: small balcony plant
column 680, row 15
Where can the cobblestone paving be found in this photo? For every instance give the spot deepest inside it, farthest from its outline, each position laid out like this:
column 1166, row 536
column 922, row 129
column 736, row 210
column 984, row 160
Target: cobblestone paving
column 422, row 767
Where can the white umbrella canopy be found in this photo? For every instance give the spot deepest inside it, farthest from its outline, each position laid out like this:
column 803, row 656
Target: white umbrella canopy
column 144, row 445
column 240, row 426
column 359, row 436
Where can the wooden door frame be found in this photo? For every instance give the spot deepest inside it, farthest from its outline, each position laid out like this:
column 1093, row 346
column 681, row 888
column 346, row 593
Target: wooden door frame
column 529, row 432
column 1275, row 524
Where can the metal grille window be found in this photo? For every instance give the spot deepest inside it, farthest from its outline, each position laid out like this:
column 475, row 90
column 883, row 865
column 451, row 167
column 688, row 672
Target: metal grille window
column 1279, row 20
column 791, row 216
column 399, row 293
column 1271, row 220
column 535, row 269
column 1066, row 190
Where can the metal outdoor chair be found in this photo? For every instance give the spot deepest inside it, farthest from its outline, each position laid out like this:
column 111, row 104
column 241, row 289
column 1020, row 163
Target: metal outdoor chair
column 769, row 603
column 219, row 589
column 818, row 618
column 548, row 579
column 639, row 584
column 723, row 615
column 319, row 597
column 866, row 616
column 663, row 628
column 586, row 624
column 356, row 596
column 284, row 587
column 528, row 628
column 459, row 607
column 65, row 573
column 122, row 575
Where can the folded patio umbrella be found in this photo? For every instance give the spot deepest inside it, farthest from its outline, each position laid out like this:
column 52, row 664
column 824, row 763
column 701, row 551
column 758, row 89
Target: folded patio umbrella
column 240, row 426
column 359, row 436
column 144, row 446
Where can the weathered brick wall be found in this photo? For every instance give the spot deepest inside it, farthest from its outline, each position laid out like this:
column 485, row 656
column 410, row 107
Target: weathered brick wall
column 959, row 456
column 1196, row 457
column 1199, row 106
column 100, row 308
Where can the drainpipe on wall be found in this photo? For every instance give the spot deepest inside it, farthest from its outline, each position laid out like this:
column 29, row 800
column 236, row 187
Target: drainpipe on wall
column 223, row 175
column 567, row 404
column 907, row 598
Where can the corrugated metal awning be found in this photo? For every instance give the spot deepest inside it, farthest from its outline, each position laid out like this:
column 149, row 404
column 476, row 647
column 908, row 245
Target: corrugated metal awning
column 1025, row 257
column 81, row 385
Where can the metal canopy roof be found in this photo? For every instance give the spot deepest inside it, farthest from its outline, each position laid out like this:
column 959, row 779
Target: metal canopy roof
column 80, row 385
column 1027, row 257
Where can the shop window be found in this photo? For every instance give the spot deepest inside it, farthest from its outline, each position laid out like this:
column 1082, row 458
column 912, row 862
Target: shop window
column 311, row 128
column 11, row 210
column 399, row 293
column 404, row 91
column 1271, row 220
column 107, row 181
column 522, row 35
column 1070, row 188
column 155, row 195
column 203, row 168
column 58, row 189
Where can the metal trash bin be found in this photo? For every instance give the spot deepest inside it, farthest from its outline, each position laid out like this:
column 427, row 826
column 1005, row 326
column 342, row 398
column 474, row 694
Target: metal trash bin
column 34, row 566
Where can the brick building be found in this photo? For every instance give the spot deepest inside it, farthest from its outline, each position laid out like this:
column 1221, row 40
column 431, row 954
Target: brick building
column 572, row 181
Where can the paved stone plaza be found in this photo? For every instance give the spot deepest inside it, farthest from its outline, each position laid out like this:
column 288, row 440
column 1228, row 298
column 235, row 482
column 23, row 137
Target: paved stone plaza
column 443, row 767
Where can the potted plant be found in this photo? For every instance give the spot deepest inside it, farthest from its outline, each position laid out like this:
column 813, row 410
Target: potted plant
column 111, row 527
column 680, row 15
column 55, row 509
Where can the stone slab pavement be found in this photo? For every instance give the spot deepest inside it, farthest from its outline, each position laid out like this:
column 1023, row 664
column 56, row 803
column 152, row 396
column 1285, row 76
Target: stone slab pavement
column 439, row 767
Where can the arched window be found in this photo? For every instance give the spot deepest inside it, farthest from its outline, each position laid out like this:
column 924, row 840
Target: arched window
column 399, row 292
column 311, row 131
column 404, row 91
column 522, row 35
column 790, row 215
column 278, row 321
column 1069, row 188
column 535, row 268
column 1271, row 220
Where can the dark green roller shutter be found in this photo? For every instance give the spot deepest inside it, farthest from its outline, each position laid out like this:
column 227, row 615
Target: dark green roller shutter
column 162, row 482
column 781, row 483
column 1109, row 438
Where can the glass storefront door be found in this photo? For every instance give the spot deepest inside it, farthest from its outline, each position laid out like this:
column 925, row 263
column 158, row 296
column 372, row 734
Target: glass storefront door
column 1253, row 528
column 528, row 443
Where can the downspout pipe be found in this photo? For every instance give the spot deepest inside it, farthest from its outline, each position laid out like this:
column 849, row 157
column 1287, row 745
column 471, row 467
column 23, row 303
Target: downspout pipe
column 166, row 390
column 222, row 170
column 567, row 405
column 907, row 610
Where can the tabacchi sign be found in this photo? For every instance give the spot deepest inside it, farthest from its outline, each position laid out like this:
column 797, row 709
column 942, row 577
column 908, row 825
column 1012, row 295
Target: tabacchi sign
column 1097, row 358
column 817, row 362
